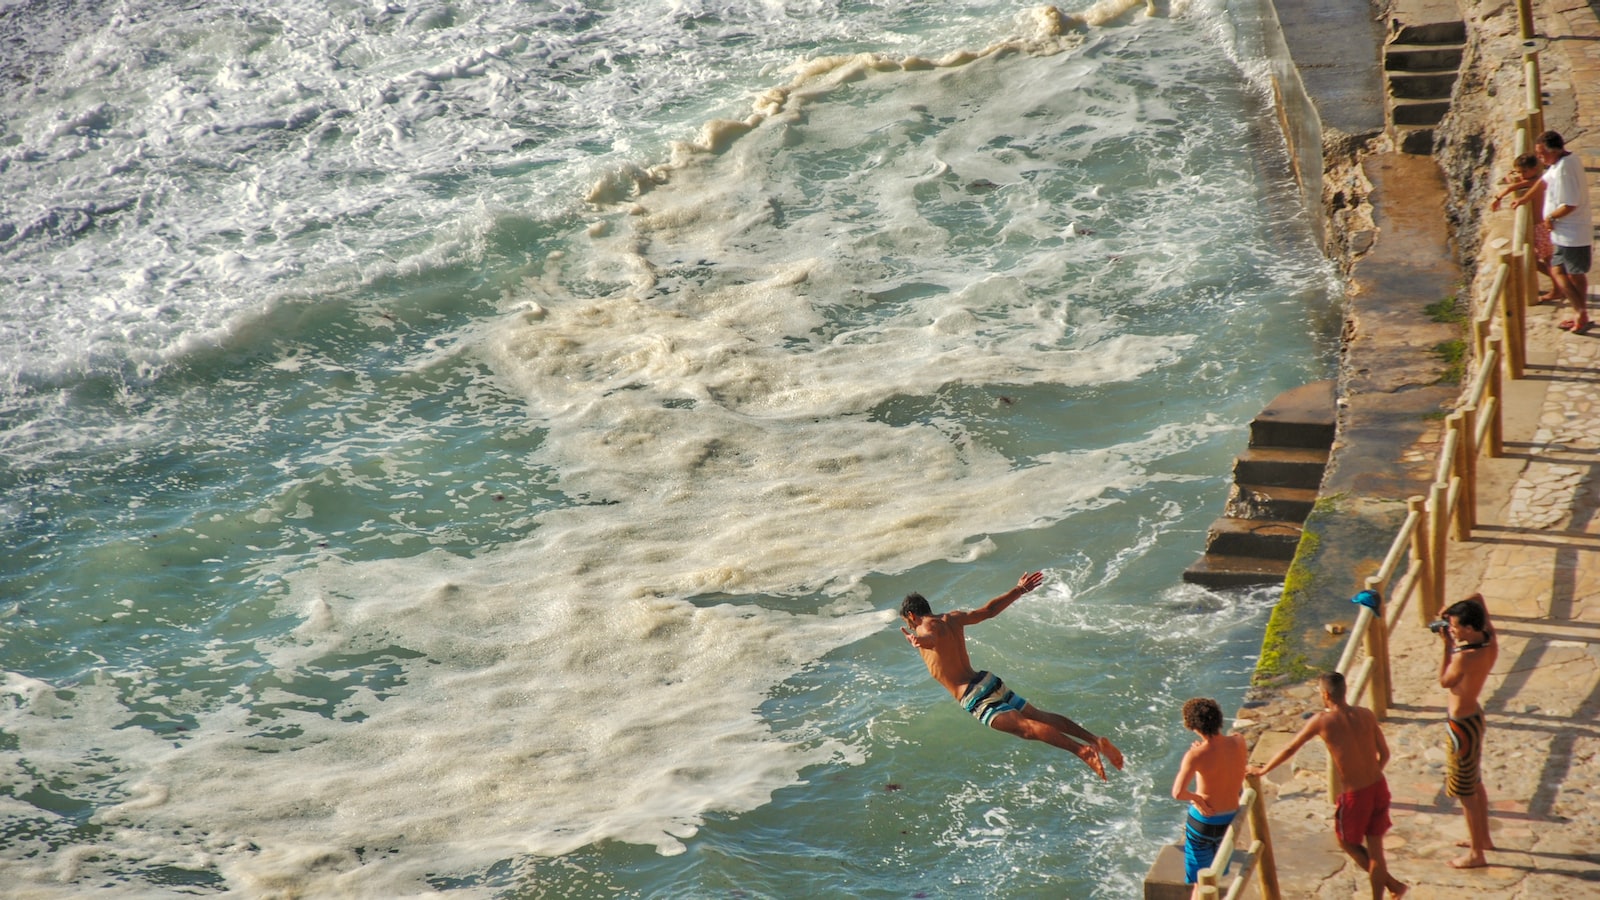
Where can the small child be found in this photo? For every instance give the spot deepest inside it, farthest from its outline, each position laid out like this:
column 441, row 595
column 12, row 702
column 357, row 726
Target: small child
column 1216, row 764
column 1522, row 181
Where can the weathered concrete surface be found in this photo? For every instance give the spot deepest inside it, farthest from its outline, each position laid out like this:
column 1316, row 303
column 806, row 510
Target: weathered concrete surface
column 1336, row 48
column 1392, row 394
column 1535, row 554
column 1388, row 230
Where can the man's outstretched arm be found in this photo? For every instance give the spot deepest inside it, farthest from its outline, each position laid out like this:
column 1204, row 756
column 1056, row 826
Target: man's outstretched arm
column 1312, row 729
column 1025, row 585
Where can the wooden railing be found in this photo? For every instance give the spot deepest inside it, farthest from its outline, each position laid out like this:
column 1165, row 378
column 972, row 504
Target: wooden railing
column 1474, row 429
column 1262, row 863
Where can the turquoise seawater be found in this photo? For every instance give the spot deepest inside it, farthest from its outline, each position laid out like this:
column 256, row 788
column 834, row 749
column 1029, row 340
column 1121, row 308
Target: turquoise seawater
column 478, row 448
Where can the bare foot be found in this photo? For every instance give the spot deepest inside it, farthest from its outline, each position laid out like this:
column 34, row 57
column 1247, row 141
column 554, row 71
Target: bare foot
column 1488, row 846
column 1401, row 892
column 1470, row 861
column 1088, row 755
column 1105, row 746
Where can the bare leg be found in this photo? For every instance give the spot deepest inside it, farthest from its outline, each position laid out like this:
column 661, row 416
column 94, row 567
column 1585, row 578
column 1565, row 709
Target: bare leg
column 1017, row 723
column 1575, row 288
column 1064, row 724
column 1379, row 870
column 1375, row 866
column 1476, row 807
column 1562, row 287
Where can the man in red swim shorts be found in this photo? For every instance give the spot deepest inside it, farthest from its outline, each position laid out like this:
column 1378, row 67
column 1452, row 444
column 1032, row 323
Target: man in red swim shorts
column 1363, row 813
column 1356, row 745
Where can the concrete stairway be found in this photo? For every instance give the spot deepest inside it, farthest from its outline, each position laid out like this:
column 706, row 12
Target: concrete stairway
column 1420, row 65
column 1275, row 486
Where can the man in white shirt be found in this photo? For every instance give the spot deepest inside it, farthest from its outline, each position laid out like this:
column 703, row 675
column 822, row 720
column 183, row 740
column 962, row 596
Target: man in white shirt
column 1566, row 211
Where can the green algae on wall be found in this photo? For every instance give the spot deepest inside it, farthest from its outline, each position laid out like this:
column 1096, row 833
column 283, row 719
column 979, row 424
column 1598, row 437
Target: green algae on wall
column 1342, row 542
column 1447, row 311
column 1453, row 353
column 1280, row 659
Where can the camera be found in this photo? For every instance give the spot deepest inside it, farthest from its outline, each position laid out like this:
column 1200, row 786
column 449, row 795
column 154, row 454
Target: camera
column 1438, row 626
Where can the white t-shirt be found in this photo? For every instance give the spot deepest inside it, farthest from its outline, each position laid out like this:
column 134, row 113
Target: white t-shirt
column 1564, row 185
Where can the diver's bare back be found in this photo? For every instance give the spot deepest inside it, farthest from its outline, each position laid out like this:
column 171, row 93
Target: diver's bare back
column 946, row 657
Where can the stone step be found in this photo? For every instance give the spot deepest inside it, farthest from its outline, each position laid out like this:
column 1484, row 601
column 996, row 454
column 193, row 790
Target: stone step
column 1275, row 487
column 1260, row 538
column 1418, row 112
column 1270, row 501
column 1414, row 141
column 1281, row 466
column 1423, row 57
column 1448, row 32
column 1217, row 571
column 1421, row 85
column 1301, row 417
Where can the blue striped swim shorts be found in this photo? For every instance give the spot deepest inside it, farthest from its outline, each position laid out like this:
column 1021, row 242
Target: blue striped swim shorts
column 986, row 696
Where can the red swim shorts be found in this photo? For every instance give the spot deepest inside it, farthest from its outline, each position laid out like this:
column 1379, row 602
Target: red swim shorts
column 1363, row 813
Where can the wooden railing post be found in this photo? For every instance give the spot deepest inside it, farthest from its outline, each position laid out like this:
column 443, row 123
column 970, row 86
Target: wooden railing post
column 1382, row 690
column 1525, row 19
column 1530, row 280
column 1266, row 863
column 1422, row 558
column 1517, row 259
column 1467, row 469
column 1495, row 390
column 1511, row 318
column 1438, row 524
column 1531, row 81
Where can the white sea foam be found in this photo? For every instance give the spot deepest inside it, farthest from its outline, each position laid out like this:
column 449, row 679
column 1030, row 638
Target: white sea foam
column 749, row 387
column 547, row 716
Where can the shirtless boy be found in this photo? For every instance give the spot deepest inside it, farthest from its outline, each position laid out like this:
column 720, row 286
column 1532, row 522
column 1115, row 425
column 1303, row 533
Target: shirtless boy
column 1215, row 763
column 1469, row 653
column 942, row 640
column 1359, row 752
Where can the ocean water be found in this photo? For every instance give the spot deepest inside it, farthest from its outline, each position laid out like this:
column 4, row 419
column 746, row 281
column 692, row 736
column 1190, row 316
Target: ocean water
column 478, row 448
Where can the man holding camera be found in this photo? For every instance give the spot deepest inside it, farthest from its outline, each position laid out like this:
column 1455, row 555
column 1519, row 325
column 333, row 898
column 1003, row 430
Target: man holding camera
column 1470, row 651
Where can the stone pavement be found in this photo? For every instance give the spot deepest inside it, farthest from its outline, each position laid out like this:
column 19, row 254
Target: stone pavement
column 1535, row 556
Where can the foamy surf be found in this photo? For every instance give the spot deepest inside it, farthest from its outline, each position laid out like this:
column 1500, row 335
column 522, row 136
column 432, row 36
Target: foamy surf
column 387, row 520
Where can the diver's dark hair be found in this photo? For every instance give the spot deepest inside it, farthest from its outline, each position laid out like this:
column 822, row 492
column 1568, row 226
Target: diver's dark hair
column 915, row 605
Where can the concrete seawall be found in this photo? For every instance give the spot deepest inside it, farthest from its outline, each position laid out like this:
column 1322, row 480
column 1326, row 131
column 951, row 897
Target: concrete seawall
column 1383, row 221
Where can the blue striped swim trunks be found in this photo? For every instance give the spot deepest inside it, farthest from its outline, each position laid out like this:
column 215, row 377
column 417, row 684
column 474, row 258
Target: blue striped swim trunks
column 1202, row 835
column 986, row 696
